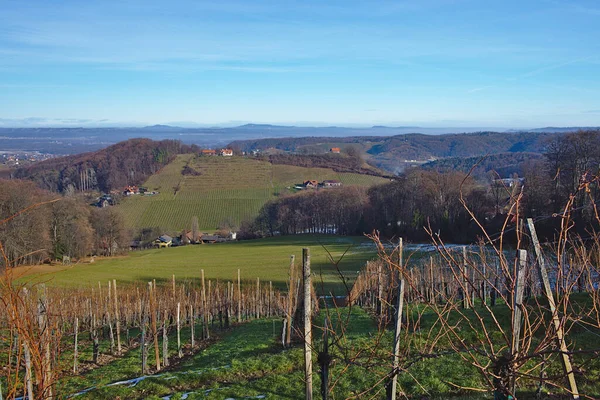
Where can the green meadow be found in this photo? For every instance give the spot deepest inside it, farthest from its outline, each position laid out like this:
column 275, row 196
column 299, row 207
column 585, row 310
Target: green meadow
column 267, row 259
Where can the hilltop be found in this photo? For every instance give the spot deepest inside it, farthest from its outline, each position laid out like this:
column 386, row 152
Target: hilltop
column 127, row 163
column 221, row 190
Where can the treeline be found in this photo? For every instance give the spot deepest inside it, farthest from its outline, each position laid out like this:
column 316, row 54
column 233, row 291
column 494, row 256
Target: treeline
column 432, row 199
column 570, row 166
column 350, row 161
column 486, row 168
column 402, row 207
column 127, row 163
column 338, row 211
column 39, row 226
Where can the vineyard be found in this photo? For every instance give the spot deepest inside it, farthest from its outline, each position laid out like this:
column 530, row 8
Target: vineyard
column 219, row 190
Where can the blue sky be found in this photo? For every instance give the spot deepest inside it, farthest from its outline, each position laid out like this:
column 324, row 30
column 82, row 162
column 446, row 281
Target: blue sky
column 460, row 63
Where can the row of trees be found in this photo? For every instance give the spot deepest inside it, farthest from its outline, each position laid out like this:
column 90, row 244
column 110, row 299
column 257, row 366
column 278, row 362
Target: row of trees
column 401, row 207
column 60, row 227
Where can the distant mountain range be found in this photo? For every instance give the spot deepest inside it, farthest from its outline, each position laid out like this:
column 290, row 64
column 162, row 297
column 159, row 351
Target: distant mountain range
column 77, row 140
column 395, row 153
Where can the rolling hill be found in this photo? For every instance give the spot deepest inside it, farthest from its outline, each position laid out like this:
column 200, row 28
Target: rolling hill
column 393, row 153
column 219, row 190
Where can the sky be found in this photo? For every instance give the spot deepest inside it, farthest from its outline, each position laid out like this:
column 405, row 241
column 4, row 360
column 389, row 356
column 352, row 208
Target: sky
column 431, row 63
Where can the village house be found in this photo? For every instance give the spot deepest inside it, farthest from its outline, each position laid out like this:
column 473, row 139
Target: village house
column 335, row 150
column 331, row 183
column 310, row 184
column 130, row 190
column 209, row 152
column 227, row 152
column 164, row 241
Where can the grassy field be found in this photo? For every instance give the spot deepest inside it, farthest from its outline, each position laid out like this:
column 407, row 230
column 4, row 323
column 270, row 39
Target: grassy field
column 267, row 259
column 229, row 189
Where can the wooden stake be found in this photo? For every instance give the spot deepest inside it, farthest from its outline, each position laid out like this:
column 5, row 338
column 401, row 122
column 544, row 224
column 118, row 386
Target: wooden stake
column 165, row 338
column 239, row 293
column 117, row 317
column 466, row 297
column 325, row 361
column 173, row 285
column 518, row 300
column 205, row 332
column 257, row 298
column 379, row 300
column 307, row 323
column 399, row 309
column 154, row 324
column 192, row 322
column 75, row 349
column 179, row 352
column 143, row 348
column 28, row 373
column 560, row 336
column 290, row 304
column 283, row 332
column 270, row 308
column 517, row 311
column 431, row 284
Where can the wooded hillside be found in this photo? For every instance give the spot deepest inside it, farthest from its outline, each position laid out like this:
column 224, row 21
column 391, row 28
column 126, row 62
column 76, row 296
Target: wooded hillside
column 126, row 163
column 392, row 152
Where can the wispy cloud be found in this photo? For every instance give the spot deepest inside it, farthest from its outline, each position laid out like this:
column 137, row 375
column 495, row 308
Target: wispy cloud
column 551, row 67
column 479, row 89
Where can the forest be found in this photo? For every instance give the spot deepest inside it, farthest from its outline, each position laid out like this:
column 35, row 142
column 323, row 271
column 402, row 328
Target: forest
column 39, row 225
column 127, row 163
column 447, row 202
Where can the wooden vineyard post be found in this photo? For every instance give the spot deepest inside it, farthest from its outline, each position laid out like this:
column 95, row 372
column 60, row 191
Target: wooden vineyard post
column 75, row 349
column 95, row 340
column 165, row 338
column 48, row 392
column 290, row 304
column 324, row 361
column 379, row 300
column 154, row 324
column 192, row 327
column 431, row 282
column 117, row 317
column 519, row 290
column 257, row 298
column 518, row 300
column 28, row 372
column 484, row 289
column 143, row 340
column 239, row 294
column 179, row 352
column 283, row 331
column 466, row 298
column 205, row 332
column 209, row 316
column 399, row 308
column 270, row 313
column 307, row 322
column 560, row 336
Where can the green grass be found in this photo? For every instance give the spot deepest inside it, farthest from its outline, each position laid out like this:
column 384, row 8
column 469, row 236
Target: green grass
column 267, row 259
column 229, row 189
column 248, row 361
